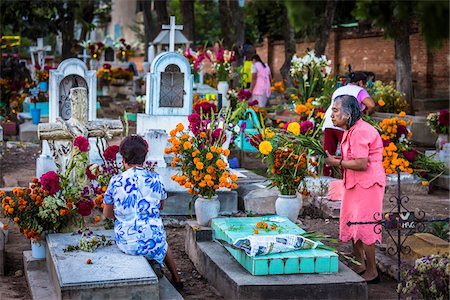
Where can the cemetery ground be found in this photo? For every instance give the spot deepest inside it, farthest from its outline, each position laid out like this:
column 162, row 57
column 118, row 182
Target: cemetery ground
column 18, row 166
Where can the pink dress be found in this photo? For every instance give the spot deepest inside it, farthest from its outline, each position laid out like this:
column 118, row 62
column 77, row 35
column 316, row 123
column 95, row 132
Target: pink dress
column 362, row 200
column 261, row 91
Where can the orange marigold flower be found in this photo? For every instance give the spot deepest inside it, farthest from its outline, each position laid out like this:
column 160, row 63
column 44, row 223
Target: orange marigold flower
column 97, row 219
column 199, row 165
column 255, row 231
column 209, row 156
column 226, row 152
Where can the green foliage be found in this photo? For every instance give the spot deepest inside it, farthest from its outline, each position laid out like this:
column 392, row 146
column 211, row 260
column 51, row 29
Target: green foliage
column 265, row 16
column 433, row 17
column 440, row 229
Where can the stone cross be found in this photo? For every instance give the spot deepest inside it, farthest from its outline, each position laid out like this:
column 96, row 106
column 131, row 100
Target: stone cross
column 78, row 124
column 172, row 28
column 40, row 49
column 84, row 56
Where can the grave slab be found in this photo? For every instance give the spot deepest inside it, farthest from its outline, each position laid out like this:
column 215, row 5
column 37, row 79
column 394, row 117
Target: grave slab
column 328, row 208
column 299, row 261
column 112, row 275
column 28, row 132
column 222, row 271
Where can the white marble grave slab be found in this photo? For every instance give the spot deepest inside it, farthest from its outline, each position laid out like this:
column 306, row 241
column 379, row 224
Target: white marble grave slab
column 110, row 267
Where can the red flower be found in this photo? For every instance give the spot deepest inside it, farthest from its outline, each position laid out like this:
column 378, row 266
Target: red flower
column 444, row 117
column 410, row 155
column 244, row 95
column 89, row 174
column 50, row 182
column 81, row 143
column 386, row 142
column 306, row 126
column 194, row 119
column 111, row 152
column 84, row 208
column 402, row 130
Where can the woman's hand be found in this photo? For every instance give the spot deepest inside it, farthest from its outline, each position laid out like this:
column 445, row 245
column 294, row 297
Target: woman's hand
column 331, row 160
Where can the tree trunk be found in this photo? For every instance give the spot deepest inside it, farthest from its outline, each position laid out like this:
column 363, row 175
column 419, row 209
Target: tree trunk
column 187, row 10
column 289, row 49
column 150, row 28
column 237, row 16
column 88, row 8
column 67, row 31
column 403, row 64
column 225, row 18
column 161, row 13
column 325, row 27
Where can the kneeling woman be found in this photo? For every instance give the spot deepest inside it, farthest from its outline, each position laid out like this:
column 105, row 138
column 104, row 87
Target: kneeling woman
column 364, row 182
column 135, row 198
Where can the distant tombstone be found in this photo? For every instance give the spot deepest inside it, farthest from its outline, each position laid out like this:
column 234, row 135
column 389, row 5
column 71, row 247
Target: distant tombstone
column 71, row 73
column 109, row 55
column 133, row 68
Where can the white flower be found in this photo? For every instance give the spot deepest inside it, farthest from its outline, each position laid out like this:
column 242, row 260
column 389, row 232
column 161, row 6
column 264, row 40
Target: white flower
column 237, row 129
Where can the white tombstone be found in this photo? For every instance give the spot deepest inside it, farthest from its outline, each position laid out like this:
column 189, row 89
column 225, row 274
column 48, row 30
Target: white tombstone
column 70, row 73
column 109, row 53
column 40, row 51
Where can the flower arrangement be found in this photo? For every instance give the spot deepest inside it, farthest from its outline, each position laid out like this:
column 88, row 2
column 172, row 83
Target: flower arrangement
column 387, row 98
column 311, row 75
column 42, row 74
column 439, row 122
column 287, row 152
column 107, row 73
column 428, row 279
column 278, row 87
column 57, row 200
column 399, row 154
column 123, row 49
column 199, row 150
column 221, row 60
column 94, row 49
column 195, row 58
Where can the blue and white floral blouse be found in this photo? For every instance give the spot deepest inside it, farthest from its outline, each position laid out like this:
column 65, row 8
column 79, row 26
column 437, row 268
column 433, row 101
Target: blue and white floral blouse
column 138, row 227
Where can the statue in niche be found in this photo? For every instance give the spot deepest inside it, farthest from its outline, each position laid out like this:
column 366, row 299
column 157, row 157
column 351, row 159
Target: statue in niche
column 69, row 82
column 172, row 87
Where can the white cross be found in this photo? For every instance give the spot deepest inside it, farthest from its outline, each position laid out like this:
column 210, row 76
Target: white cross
column 40, row 49
column 84, row 56
column 172, row 28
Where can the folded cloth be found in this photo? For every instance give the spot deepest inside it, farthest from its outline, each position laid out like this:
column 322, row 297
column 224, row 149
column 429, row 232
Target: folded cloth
column 267, row 244
column 335, row 190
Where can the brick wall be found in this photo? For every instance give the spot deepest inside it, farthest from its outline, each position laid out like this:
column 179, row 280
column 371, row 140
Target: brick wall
column 372, row 52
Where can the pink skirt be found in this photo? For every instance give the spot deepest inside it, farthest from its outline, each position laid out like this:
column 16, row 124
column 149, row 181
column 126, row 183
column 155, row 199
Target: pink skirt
column 361, row 205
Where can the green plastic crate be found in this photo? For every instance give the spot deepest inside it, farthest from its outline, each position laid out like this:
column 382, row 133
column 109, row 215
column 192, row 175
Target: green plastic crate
column 294, row 262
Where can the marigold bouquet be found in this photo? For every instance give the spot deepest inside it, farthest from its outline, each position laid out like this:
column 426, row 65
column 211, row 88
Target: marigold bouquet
column 200, row 151
column 399, row 154
column 428, row 279
column 288, row 152
column 42, row 74
column 439, row 122
column 387, row 98
column 95, row 48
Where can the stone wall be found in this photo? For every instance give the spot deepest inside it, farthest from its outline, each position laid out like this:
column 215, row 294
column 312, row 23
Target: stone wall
column 370, row 51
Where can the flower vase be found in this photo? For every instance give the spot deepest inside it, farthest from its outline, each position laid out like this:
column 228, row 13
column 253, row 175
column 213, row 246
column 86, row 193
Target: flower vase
column 94, row 64
column 35, row 115
column 39, row 248
column 206, row 209
column 288, row 206
column 441, row 140
column 222, row 87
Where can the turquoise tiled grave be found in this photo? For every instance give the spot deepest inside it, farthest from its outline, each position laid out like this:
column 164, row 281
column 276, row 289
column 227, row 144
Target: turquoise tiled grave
column 294, row 262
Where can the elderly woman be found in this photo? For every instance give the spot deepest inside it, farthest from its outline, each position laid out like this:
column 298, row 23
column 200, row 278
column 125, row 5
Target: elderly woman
column 364, row 182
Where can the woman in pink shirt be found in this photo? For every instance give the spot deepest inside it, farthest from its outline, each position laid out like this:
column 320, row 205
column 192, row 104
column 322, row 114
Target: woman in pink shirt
column 261, row 77
column 364, row 182
column 332, row 135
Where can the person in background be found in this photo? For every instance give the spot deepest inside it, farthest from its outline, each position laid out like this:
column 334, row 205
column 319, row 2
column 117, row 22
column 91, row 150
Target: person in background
column 261, row 78
column 134, row 198
column 332, row 135
column 364, row 182
column 246, row 72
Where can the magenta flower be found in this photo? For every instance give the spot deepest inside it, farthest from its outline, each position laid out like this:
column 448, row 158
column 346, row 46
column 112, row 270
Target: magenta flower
column 50, row 182
column 81, row 143
column 111, row 152
column 84, row 208
column 444, row 117
column 306, row 126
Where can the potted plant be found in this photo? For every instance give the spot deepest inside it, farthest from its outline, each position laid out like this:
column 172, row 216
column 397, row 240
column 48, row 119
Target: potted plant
column 288, row 152
column 199, row 151
column 221, row 63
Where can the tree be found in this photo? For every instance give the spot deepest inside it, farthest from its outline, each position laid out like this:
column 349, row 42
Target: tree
column 315, row 17
column 187, row 11
column 396, row 18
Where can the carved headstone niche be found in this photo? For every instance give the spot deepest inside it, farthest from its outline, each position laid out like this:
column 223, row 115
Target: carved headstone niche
column 172, row 87
column 68, row 82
